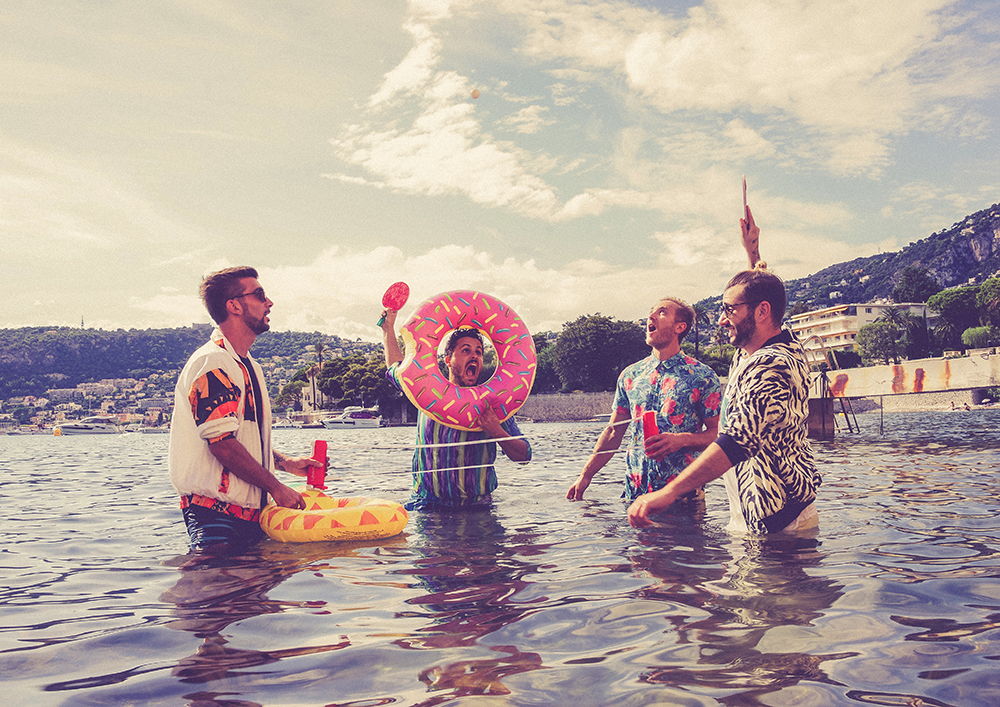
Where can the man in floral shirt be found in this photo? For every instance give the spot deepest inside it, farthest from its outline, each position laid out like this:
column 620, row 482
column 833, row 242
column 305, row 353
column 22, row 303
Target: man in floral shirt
column 684, row 393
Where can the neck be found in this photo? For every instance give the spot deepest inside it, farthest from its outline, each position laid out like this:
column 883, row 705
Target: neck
column 238, row 335
column 763, row 334
column 667, row 351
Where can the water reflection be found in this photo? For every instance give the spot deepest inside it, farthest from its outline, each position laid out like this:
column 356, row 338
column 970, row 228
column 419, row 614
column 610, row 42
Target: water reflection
column 213, row 593
column 468, row 564
column 747, row 587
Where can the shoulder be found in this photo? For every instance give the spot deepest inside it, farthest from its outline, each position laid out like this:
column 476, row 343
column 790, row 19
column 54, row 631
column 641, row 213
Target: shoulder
column 700, row 369
column 633, row 369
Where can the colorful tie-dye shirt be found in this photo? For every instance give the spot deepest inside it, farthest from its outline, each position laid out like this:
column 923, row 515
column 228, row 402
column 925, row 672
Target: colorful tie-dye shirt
column 684, row 392
column 449, row 468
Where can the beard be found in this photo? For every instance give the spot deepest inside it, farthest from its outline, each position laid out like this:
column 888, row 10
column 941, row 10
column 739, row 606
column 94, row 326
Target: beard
column 745, row 331
column 467, row 376
column 257, row 326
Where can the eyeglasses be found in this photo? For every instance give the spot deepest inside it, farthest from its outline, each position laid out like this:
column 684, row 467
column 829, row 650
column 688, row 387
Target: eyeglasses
column 729, row 309
column 258, row 293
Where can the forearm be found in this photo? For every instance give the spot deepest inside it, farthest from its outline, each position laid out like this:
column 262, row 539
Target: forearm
column 390, row 344
column 609, row 440
column 515, row 449
column 238, row 461
column 697, row 440
column 710, row 465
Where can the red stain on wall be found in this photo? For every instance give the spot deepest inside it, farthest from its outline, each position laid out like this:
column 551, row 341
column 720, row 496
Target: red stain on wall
column 898, row 379
column 918, row 381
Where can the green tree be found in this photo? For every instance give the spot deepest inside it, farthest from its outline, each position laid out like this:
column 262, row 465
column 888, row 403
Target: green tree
column 957, row 307
column 916, row 337
column 878, row 342
column 546, row 378
column 291, row 395
column 702, row 315
column 988, row 301
column 592, row 350
column 981, row 337
column 366, row 382
column 914, row 285
column 331, row 379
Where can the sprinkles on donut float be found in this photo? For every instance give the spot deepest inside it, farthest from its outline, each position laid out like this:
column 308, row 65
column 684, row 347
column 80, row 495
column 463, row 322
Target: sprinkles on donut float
column 457, row 406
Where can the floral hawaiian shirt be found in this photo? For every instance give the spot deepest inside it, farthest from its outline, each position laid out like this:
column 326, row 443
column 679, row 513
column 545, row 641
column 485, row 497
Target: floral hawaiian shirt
column 684, row 392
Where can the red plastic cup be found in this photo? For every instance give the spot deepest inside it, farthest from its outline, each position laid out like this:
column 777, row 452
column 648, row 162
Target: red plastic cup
column 649, row 426
column 316, row 475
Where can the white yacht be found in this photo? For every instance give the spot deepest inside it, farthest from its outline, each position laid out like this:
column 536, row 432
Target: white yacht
column 284, row 423
column 95, row 425
column 352, row 418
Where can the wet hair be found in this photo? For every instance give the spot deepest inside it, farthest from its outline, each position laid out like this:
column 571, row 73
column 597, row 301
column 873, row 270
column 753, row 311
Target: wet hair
column 461, row 334
column 763, row 286
column 220, row 287
column 682, row 313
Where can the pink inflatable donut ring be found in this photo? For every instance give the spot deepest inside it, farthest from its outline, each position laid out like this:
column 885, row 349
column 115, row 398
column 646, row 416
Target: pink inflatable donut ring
column 431, row 392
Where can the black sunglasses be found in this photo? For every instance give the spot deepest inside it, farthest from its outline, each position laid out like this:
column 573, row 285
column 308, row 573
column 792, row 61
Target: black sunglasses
column 258, row 293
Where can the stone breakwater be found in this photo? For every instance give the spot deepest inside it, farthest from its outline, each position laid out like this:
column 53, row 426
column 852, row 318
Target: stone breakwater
column 566, row 407
column 574, row 407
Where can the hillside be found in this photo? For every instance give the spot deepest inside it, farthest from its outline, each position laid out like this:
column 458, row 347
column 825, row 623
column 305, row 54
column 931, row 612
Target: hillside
column 968, row 251
column 34, row 359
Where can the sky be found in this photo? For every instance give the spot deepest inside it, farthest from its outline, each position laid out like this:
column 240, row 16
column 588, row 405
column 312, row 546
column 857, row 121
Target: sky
column 567, row 158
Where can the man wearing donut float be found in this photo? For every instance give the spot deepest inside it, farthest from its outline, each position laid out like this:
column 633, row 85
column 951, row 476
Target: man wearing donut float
column 221, row 461
column 452, row 468
column 683, row 393
column 762, row 451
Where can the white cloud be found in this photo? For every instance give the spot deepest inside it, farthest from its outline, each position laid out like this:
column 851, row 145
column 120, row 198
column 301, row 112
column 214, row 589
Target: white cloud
column 528, row 120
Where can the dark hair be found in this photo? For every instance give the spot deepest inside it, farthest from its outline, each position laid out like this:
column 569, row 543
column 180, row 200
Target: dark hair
column 461, row 334
column 220, row 287
column 763, row 286
column 682, row 313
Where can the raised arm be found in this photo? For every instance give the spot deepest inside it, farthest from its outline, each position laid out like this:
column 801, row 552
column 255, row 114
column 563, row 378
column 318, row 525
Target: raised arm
column 390, row 344
column 751, row 241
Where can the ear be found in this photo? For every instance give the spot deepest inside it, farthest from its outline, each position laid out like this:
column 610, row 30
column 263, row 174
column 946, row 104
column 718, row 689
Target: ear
column 234, row 306
column 764, row 310
column 683, row 327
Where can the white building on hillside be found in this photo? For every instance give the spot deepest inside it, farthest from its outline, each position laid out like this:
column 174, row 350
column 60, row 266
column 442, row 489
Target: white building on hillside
column 835, row 328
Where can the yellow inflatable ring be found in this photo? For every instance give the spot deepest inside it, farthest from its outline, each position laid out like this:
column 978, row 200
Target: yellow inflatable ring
column 326, row 518
column 456, row 406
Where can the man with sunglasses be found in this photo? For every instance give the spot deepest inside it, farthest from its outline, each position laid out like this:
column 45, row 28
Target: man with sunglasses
column 762, row 449
column 221, row 461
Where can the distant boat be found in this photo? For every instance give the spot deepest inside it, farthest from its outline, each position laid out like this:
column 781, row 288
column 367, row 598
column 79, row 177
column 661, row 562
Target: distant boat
column 161, row 430
column 284, row 423
column 353, row 418
column 95, row 425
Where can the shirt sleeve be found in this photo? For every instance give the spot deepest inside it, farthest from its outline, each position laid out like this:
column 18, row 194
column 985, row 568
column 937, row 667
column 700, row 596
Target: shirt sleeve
column 392, row 373
column 510, row 427
column 622, row 404
column 761, row 407
column 709, row 402
column 215, row 403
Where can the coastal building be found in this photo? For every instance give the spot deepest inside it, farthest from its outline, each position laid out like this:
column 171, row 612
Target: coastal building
column 835, row 328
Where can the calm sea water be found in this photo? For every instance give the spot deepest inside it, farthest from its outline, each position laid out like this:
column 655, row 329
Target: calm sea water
column 538, row 601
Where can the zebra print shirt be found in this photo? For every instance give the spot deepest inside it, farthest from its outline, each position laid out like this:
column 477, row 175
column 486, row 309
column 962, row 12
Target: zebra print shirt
column 763, row 432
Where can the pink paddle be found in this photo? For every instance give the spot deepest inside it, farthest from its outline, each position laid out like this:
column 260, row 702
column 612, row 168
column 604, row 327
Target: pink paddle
column 395, row 297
